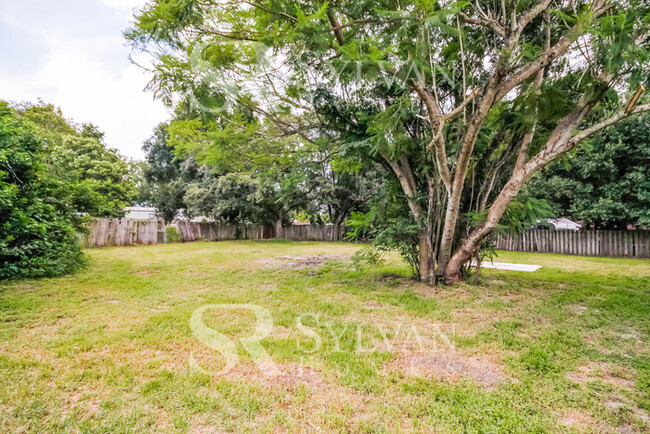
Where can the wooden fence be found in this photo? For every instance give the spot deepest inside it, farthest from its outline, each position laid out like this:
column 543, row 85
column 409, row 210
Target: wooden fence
column 106, row 232
column 192, row 231
column 633, row 244
column 128, row 232
column 125, row 232
column 313, row 233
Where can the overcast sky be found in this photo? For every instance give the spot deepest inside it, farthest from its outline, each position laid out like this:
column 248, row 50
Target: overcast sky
column 71, row 53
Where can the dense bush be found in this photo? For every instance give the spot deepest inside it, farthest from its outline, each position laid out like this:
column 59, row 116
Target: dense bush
column 173, row 236
column 36, row 235
column 606, row 183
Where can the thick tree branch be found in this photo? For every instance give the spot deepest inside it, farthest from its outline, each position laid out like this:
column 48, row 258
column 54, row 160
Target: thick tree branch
column 522, row 158
column 336, row 27
column 471, row 133
column 584, row 134
column 487, row 20
column 641, row 38
column 436, row 119
column 407, row 181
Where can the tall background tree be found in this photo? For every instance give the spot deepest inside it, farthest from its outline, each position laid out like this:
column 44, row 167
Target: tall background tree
column 461, row 103
column 606, row 183
column 194, row 164
column 165, row 177
column 99, row 181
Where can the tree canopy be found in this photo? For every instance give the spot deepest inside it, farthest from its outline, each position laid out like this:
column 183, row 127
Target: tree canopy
column 461, row 103
column 53, row 173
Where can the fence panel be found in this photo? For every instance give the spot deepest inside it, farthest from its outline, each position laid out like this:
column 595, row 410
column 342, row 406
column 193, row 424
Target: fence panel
column 192, row 231
column 630, row 244
column 104, row 232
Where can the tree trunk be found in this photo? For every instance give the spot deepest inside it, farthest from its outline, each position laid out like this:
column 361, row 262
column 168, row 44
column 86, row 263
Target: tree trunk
column 336, row 229
column 448, row 233
column 560, row 141
column 279, row 230
column 452, row 271
column 426, row 259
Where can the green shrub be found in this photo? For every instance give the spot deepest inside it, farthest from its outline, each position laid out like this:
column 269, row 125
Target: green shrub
column 172, row 235
column 36, row 235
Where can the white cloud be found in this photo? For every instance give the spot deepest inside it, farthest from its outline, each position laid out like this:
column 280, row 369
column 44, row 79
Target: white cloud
column 124, row 5
column 90, row 78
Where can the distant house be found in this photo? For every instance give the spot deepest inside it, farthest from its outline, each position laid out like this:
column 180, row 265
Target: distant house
column 560, row 224
column 140, row 213
column 182, row 215
column 565, row 224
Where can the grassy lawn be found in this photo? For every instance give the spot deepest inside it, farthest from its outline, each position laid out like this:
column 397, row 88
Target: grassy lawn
column 562, row 349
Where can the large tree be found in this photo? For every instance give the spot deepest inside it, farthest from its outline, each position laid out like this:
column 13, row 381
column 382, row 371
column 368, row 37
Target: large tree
column 335, row 191
column 166, row 176
column 463, row 102
column 101, row 182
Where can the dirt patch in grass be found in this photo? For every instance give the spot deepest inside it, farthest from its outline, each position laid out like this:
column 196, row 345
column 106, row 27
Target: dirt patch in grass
column 642, row 415
column 576, row 419
column 631, row 335
column 617, row 406
column 478, row 319
column 374, row 305
column 594, row 371
column 47, row 330
column 202, row 428
column 35, row 353
column 177, row 359
column 280, row 332
column 577, row 309
column 448, row 366
column 85, row 399
column 301, row 262
column 162, row 420
column 287, row 375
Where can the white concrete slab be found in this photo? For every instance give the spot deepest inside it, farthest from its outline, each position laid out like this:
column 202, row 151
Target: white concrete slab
column 509, row 267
